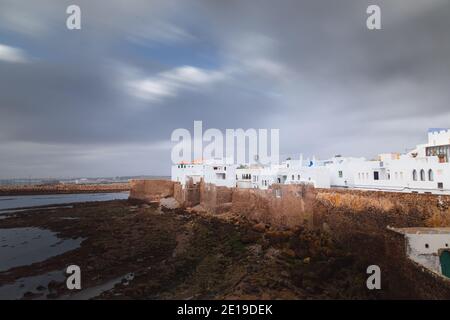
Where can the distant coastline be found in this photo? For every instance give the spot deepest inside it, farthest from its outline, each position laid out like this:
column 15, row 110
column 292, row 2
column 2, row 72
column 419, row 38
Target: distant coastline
column 17, row 187
column 62, row 189
column 79, row 180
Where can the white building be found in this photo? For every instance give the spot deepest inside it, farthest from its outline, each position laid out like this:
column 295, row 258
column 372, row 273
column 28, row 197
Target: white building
column 428, row 247
column 217, row 172
column 252, row 176
column 426, row 169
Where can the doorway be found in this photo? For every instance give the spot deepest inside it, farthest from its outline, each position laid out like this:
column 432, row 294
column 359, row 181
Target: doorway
column 445, row 263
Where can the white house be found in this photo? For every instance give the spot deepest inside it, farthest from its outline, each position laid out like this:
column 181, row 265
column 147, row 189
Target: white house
column 428, row 247
column 426, row 169
column 217, row 172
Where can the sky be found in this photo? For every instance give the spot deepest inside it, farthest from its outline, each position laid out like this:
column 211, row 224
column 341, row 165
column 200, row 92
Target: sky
column 104, row 100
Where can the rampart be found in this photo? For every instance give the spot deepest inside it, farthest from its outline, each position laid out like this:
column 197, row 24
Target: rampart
column 151, row 190
column 285, row 206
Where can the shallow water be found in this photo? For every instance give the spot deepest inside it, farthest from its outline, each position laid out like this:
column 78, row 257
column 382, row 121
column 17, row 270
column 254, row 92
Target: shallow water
column 12, row 202
column 17, row 289
column 24, row 246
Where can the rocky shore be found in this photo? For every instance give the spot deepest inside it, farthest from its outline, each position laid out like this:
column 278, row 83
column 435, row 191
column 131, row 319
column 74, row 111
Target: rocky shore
column 143, row 251
column 62, row 189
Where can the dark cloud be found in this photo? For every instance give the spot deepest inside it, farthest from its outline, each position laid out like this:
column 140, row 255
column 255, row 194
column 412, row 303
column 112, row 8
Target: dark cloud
column 104, row 100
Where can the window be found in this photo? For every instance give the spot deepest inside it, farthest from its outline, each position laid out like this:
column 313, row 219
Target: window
column 220, row 176
column 430, row 175
column 298, row 177
column 401, row 175
column 414, row 174
column 292, row 177
column 440, row 185
column 442, row 152
column 341, row 174
column 422, row 175
column 376, row 175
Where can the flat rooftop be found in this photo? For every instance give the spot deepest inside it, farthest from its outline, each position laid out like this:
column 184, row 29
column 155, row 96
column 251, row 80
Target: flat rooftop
column 421, row 230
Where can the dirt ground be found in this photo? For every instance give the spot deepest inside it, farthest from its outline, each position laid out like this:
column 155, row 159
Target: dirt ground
column 173, row 254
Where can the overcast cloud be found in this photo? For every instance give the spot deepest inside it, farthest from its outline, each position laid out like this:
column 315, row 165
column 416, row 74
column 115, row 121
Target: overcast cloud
column 103, row 101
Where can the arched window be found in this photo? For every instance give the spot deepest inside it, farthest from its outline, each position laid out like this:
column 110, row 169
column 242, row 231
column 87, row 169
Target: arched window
column 430, row 175
column 415, row 175
column 422, row 175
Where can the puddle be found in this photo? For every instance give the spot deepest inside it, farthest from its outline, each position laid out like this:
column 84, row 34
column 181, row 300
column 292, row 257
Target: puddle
column 37, row 285
column 24, row 246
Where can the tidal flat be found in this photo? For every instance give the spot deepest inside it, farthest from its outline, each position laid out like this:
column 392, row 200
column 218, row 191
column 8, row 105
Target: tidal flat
column 132, row 250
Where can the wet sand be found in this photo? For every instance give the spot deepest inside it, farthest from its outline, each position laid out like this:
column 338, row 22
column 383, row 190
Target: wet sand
column 140, row 251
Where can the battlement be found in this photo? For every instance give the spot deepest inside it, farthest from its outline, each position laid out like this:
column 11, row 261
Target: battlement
column 438, row 136
column 437, row 131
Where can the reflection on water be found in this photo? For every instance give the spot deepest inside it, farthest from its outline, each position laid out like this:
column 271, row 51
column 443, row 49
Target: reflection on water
column 11, row 202
column 24, row 246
